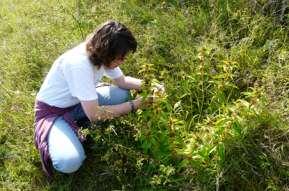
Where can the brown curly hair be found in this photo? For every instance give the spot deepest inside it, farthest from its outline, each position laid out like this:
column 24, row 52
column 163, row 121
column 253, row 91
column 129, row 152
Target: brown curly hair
column 111, row 40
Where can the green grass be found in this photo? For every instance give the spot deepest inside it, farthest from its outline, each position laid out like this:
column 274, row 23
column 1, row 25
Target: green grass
column 223, row 124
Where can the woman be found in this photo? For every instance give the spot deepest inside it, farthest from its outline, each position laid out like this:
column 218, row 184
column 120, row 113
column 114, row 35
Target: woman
column 69, row 94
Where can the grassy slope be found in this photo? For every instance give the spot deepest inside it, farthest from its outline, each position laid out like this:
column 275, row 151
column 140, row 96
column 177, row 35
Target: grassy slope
column 222, row 126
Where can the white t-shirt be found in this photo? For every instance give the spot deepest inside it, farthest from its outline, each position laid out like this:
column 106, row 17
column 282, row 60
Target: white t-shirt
column 73, row 78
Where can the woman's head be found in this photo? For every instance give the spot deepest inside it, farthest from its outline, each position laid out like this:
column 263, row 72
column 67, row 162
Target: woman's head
column 110, row 42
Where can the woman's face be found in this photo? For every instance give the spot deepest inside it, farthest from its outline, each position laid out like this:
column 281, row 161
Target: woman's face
column 116, row 62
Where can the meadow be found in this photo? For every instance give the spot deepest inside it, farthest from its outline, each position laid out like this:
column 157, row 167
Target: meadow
column 222, row 124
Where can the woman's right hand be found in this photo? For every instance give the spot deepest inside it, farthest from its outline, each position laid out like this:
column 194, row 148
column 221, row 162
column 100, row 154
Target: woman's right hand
column 141, row 103
column 137, row 103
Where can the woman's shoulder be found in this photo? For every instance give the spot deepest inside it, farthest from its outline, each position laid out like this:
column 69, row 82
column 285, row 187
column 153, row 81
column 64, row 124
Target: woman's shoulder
column 78, row 50
column 76, row 56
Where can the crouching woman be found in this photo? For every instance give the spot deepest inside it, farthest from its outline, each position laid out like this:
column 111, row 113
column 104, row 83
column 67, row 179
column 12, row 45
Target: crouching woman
column 69, row 93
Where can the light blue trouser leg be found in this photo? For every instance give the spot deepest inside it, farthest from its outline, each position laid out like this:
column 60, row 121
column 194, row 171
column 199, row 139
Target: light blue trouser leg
column 66, row 152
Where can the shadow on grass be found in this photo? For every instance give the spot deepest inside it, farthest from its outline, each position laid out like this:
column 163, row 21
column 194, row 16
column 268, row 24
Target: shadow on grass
column 256, row 161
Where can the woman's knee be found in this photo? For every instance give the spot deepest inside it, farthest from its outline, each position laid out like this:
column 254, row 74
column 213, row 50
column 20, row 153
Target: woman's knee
column 112, row 95
column 68, row 163
column 65, row 149
column 122, row 95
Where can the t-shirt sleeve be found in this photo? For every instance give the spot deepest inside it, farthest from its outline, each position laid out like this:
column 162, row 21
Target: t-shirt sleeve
column 80, row 80
column 113, row 73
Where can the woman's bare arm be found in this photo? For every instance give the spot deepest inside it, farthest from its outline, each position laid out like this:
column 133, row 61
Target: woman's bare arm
column 127, row 82
column 95, row 112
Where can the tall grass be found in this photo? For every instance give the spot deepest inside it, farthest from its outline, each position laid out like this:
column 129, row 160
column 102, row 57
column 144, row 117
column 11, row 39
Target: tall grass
column 223, row 124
